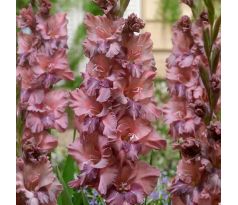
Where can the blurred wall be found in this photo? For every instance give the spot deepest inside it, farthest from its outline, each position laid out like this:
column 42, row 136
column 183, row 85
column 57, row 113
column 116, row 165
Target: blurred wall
column 160, row 31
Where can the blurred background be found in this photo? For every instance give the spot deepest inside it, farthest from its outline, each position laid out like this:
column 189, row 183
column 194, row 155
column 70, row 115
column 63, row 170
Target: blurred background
column 159, row 16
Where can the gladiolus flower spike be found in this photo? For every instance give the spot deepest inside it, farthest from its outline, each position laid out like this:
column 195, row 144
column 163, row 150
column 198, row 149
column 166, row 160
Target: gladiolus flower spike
column 193, row 77
column 114, row 109
column 42, row 62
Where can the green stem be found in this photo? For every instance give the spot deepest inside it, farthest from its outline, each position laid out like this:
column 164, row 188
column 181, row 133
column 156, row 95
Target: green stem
column 151, row 163
column 19, row 135
column 18, row 150
column 123, row 6
column 151, row 157
column 74, row 134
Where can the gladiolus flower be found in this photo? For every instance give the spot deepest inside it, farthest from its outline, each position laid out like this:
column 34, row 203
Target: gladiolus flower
column 190, row 113
column 36, row 183
column 114, row 109
column 42, row 62
column 133, row 184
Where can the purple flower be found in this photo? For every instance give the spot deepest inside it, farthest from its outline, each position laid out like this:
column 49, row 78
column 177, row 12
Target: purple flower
column 114, row 109
column 191, row 113
column 155, row 195
column 42, row 62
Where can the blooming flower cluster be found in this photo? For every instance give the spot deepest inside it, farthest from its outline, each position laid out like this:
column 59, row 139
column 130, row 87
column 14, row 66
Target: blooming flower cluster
column 193, row 76
column 114, row 109
column 42, row 62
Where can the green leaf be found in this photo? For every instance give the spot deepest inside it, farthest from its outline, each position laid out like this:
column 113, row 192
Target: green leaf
column 73, row 84
column 216, row 54
column 80, row 198
column 91, row 7
column 216, row 29
column 205, row 77
column 69, row 169
column 65, row 196
column 211, row 10
column 84, row 197
column 207, row 42
column 169, row 11
column 77, row 198
column 123, row 6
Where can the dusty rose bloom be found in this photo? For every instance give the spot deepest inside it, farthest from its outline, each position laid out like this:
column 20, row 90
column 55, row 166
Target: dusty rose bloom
column 36, row 184
column 48, row 112
column 114, row 109
column 104, row 35
column 109, row 7
column 132, row 184
column 40, row 67
column 26, row 18
column 42, row 62
column 36, row 146
column 190, row 114
column 45, row 6
column 94, row 157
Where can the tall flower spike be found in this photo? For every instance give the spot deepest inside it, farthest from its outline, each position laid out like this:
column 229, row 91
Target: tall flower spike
column 36, row 183
column 193, row 110
column 42, row 62
column 114, row 108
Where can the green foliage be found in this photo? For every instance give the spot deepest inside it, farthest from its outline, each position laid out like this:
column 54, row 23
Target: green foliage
column 66, row 174
column 71, row 85
column 64, row 5
column 169, row 10
column 91, row 7
column 66, row 195
column 21, row 4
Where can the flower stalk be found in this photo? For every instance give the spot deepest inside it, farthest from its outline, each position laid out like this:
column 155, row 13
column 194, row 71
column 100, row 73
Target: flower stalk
column 193, row 76
column 41, row 63
column 114, row 108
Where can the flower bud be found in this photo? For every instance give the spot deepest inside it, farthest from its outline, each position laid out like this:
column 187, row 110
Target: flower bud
column 133, row 24
column 214, row 131
column 190, row 3
column 184, row 24
column 215, row 83
column 200, row 108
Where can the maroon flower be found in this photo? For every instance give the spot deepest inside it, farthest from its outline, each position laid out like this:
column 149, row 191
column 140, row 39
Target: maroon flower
column 94, row 157
column 26, row 18
column 133, row 184
column 215, row 82
column 37, row 145
column 133, row 24
column 54, row 27
column 214, row 131
column 114, row 108
column 45, row 7
column 55, row 66
column 188, row 2
column 139, row 57
column 36, row 184
column 48, row 112
column 42, row 62
column 182, row 121
column 190, row 148
column 108, row 7
column 104, row 35
column 83, row 104
column 190, row 112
